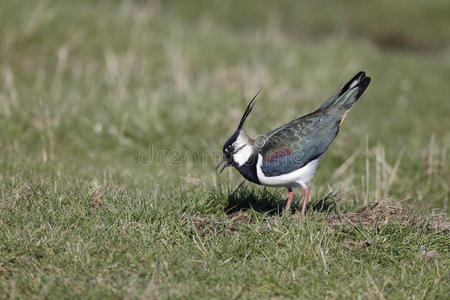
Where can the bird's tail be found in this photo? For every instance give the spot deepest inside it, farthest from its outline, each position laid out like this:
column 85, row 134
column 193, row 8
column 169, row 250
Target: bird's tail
column 347, row 96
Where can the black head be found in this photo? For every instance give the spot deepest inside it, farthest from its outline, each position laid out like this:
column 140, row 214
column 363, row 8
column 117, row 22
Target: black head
column 229, row 148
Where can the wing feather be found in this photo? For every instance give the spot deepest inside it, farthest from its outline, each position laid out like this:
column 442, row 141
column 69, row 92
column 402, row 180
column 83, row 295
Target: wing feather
column 295, row 144
column 292, row 146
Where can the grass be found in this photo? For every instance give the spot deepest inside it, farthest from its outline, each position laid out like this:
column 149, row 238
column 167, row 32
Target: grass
column 113, row 114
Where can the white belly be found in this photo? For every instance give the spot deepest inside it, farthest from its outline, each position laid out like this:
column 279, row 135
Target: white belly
column 301, row 176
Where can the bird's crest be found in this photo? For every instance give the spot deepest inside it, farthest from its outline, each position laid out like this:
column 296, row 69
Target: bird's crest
column 247, row 111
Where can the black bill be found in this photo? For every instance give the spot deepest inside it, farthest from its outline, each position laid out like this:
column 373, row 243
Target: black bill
column 223, row 164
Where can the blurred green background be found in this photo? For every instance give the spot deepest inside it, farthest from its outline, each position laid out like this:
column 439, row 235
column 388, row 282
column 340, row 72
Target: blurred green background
column 112, row 115
column 92, row 84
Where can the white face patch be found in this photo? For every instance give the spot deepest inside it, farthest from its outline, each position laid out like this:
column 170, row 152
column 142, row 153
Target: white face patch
column 243, row 155
column 244, row 149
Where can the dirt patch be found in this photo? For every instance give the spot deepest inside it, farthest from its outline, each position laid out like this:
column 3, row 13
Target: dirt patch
column 3, row 273
column 372, row 216
column 229, row 223
column 380, row 214
column 349, row 244
column 240, row 216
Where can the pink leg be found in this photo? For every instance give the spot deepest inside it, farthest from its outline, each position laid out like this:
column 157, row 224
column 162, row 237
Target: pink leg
column 305, row 199
column 290, row 197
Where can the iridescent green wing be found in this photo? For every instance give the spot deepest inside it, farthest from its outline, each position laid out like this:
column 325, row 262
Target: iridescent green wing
column 295, row 144
column 292, row 146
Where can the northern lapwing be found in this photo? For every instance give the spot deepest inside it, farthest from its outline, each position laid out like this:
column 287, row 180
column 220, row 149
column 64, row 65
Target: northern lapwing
column 288, row 156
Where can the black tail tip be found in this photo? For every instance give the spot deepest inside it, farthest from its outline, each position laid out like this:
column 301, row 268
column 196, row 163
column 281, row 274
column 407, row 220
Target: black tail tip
column 360, row 75
column 358, row 78
column 362, row 85
column 355, row 81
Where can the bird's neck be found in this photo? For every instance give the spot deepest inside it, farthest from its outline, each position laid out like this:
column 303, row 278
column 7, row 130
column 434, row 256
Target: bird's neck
column 245, row 159
column 248, row 169
column 244, row 148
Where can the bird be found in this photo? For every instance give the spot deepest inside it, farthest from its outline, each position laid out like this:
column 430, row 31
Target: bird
column 288, row 156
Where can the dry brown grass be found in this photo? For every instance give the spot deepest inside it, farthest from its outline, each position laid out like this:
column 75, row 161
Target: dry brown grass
column 381, row 213
column 372, row 216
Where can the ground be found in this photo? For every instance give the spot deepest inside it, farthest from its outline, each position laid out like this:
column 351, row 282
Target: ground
column 113, row 115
